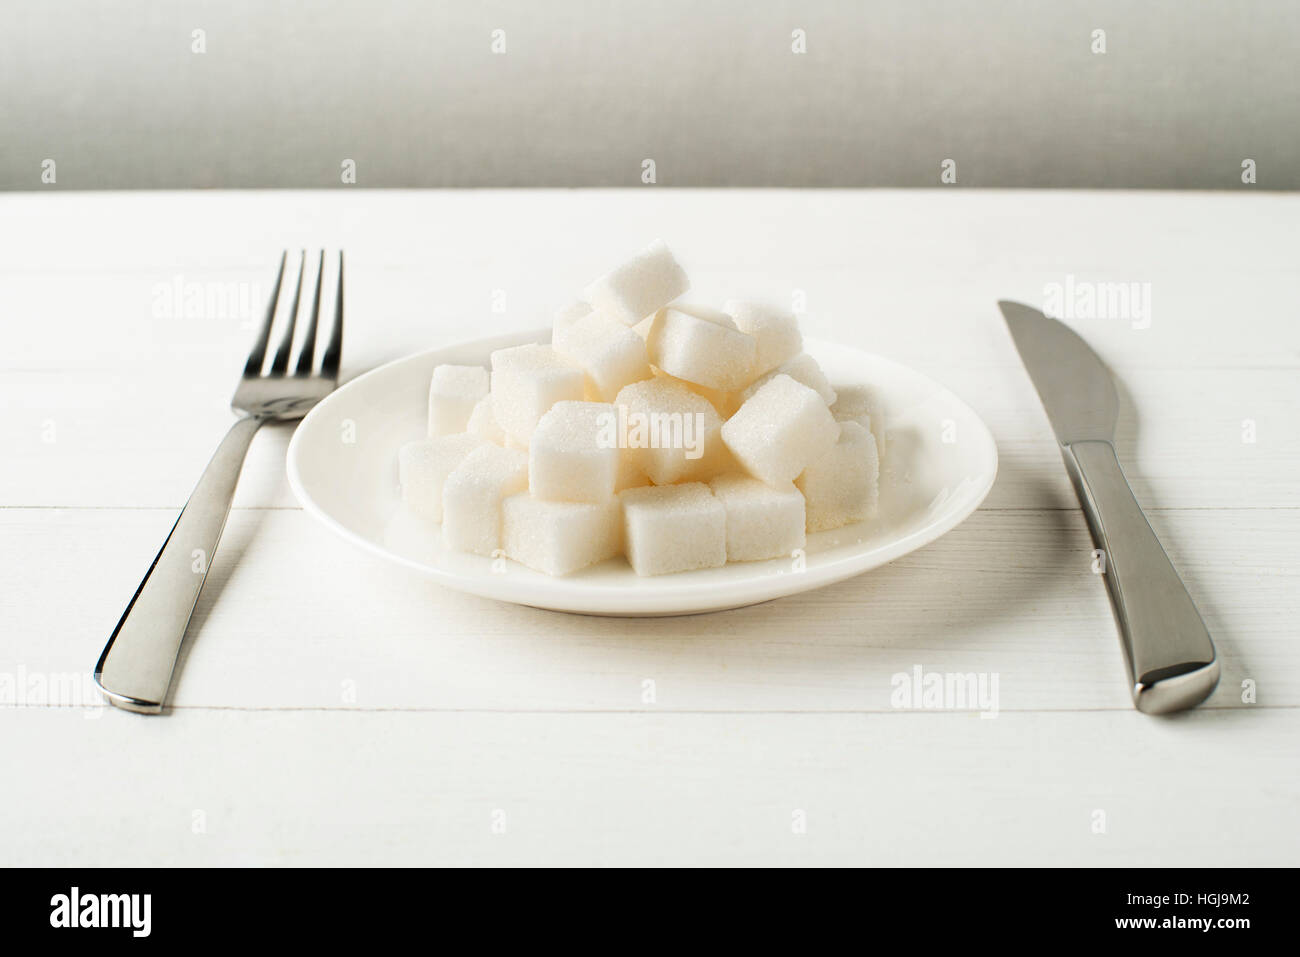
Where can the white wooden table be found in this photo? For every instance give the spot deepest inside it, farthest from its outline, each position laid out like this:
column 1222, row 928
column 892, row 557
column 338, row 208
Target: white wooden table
column 332, row 709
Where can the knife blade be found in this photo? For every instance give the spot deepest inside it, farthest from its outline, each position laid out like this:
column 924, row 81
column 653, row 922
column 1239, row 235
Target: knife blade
column 1168, row 651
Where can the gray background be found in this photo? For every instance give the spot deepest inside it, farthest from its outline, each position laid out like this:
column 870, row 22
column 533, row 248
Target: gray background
column 711, row 91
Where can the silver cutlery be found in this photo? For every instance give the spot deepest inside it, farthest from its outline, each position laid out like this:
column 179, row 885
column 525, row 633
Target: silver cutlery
column 136, row 667
column 1168, row 651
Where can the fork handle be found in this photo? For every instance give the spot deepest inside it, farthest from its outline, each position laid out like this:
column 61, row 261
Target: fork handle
column 1167, row 649
column 136, row 666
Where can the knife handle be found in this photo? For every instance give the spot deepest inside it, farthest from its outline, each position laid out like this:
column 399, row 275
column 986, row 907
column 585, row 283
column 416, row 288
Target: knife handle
column 1167, row 649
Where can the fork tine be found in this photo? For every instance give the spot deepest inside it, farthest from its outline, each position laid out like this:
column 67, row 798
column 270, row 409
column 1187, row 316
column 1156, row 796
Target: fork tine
column 307, row 358
column 329, row 366
column 280, row 365
column 254, row 364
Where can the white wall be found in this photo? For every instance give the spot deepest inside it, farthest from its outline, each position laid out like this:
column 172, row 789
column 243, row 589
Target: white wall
column 411, row 91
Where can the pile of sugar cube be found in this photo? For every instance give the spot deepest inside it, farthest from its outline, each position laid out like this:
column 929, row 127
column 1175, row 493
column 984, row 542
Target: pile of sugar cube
column 679, row 436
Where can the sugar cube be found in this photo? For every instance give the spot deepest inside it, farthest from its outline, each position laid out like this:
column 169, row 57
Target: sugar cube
column 701, row 347
column 453, row 393
column 673, row 528
column 843, row 485
column 611, row 354
column 423, row 467
column 526, row 381
column 724, row 402
column 471, row 497
column 861, row 404
column 779, row 430
column 672, row 434
column 558, row 538
column 699, row 311
column 645, row 283
column 802, row 368
column 483, row 423
column 574, row 453
column 762, row 521
column 776, row 334
column 565, row 318
column 630, row 472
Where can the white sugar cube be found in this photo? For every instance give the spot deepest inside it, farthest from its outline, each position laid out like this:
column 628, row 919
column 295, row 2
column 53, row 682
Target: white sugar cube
column 671, row 433
column 701, row 347
column 779, row 430
column 700, row 311
column 776, row 334
column 861, row 404
column 843, row 485
column 453, row 393
column 673, row 528
column 644, row 284
column 565, row 318
column 526, row 381
column 574, row 454
column 802, row 368
column 423, row 467
column 471, row 497
column 724, row 402
column 483, row 423
column 558, row 538
column 574, row 310
column 630, row 472
column 762, row 521
column 611, row 354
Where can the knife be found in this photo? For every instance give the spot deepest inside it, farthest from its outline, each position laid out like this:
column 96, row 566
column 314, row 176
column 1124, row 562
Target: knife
column 1167, row 649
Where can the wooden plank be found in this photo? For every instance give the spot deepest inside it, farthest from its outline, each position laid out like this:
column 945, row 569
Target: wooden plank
column 312, row 788
column 293, row 617
column 98, row 378
column 99, row 439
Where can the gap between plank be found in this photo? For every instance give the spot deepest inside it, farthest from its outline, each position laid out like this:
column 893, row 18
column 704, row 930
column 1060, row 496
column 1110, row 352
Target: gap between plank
column 607, row 712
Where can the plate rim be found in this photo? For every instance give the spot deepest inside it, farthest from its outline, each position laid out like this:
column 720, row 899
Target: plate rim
column 690, row 597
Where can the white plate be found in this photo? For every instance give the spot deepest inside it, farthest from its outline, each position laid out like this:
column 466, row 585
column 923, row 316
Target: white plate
column 940, row 462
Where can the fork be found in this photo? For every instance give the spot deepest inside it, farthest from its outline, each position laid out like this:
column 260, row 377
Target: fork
column 136, row 667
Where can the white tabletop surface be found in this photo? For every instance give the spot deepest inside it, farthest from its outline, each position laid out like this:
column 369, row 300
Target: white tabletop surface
column 330, row 708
